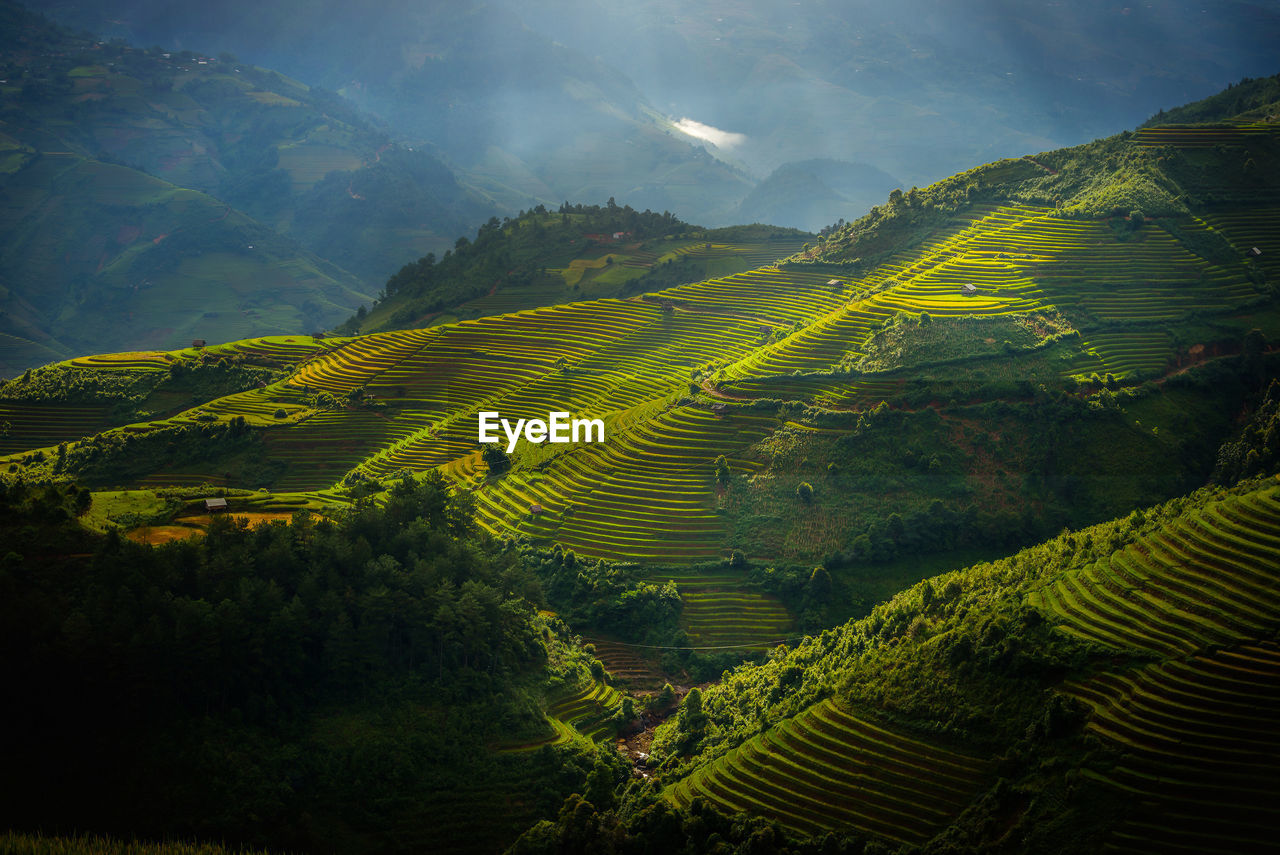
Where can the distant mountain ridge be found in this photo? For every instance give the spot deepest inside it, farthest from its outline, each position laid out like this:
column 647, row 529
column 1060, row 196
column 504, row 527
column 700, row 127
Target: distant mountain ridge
column 528, row 120
column 815, row 193
column 192, row 196
column 578, row 100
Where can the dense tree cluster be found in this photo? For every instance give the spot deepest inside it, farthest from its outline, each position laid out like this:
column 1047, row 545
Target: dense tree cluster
column 1248, row 95
column 512, row 252
column 182, row 689
column 613, row 598
column 299, row 611
column 1257, row 450
column 60, row 383
column 649, row 825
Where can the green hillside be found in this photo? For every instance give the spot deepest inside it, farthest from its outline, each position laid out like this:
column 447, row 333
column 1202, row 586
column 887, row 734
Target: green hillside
column 127, row 261
column 1030, row 370
column 135, row 180
column 966, row 361
column 1113, row 689
column 299, row 159
column 542, row 258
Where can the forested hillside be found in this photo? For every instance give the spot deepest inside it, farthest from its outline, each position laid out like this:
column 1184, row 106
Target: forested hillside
column 542, row 258
column 338, row 682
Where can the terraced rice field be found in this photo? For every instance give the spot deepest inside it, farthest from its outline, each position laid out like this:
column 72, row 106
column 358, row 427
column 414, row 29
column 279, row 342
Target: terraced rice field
column 323, row 448
column 927, row 278
column 720, row 611
column 588, row 709
column 648, row 493
column 283, row 350
column 1124, row 353
column 1203, row 136
column 147, row 360
column 1199, row 730
column 515, row 300
column 1207, row 579
column 755, row 254
column 41, row 425
column 559, row 734
column 1256, row 227
column 280, row 349
column 1215, row 186
column 827, row 769
column 1201, row 743
column 1018, row 258
column 1140, row 280
column 627, row 662
column 774, row 297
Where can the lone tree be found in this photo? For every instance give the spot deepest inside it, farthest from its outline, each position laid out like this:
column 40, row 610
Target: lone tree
column 1253, row 356
column 818, row 588
column 496, row 459
column 692, row 724
column 661, row 701
column 722, row 471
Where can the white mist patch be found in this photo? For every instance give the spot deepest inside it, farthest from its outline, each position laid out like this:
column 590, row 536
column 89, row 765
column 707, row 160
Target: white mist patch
column 715, row 136
column 558, row 428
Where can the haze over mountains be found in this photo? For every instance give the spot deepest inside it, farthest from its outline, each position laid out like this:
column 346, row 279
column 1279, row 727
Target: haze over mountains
column 177, row 183
column 578, row 100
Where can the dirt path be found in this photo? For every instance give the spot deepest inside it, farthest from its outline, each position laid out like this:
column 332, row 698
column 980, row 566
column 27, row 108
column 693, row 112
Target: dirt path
column 713, row 391
column 1039, row 164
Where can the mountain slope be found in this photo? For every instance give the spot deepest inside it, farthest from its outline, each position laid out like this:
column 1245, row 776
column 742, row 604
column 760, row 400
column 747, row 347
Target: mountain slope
column 541, row 258
column 529, row 120
column 867, row 406
column 297, row 158
column 106, row 257
column 917, row 90
column 1112, row 689
column 1055, row 344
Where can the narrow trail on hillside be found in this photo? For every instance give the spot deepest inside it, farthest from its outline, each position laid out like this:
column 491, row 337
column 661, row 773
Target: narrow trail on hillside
column 1047, row 169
